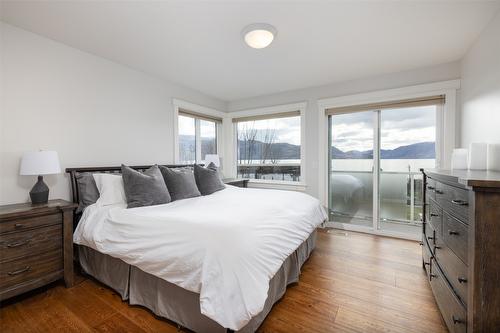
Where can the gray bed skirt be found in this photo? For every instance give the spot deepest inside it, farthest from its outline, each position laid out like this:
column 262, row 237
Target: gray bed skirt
column 175, row 303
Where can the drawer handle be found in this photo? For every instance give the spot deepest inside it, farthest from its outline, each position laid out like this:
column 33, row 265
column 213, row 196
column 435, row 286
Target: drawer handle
column 457, row 320
column 18, row 225
column 22, row 270
column 459, row 202
column 439, row 192
column 434, row 215
column 430, row 238
column 432, row 276
column 451, row 232
column 431, row 188
column 462, row 280
column 436, row 248
column 20, row 243
column 427, row 263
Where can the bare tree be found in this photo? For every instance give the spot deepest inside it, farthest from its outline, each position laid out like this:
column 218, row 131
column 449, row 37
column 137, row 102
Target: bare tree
column 267, row 145
column 247, row 134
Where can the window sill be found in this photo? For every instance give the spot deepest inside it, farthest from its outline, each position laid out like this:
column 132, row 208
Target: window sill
column 277, row 185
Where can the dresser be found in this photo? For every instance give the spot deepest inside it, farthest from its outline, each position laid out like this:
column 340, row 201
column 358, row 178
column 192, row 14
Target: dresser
column 36, row 246
column 461, row 247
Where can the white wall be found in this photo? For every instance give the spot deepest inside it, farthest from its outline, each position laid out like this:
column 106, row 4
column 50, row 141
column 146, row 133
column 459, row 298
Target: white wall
column 90, row 110
column 311, row 95
column 480, row 114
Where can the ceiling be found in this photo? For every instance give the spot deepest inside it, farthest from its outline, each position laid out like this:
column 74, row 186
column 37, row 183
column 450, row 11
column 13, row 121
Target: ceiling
column 198, row 43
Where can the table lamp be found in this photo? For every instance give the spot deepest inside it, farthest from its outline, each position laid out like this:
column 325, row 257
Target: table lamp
column 40, row 163
column 212, row 158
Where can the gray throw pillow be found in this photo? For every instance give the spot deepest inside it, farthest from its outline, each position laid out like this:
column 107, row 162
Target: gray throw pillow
column 144, row 188
column 180, row 182
column 208, row 179
column 87, row 190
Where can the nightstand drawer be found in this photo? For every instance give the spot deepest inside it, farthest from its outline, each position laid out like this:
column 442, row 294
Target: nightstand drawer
column 30, row 242
column 25, row 270
column 29, row 223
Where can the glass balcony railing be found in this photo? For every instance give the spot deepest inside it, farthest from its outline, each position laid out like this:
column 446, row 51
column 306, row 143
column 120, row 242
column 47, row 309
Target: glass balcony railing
column 351, row 197
column 269, row 171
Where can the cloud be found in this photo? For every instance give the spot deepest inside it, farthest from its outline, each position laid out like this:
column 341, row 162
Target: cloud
column 399, row 127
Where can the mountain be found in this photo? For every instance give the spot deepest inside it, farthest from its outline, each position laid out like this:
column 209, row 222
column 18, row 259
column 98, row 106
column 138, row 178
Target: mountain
column 421, row 150
column 286, row 151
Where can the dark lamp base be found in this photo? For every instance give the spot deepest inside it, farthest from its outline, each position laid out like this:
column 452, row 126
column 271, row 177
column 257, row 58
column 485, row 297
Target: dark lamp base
column 39, row 194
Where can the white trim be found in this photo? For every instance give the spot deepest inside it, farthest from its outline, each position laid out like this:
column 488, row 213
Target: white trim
column 269, row 110
column 277, row 185
column 445, row 124
column 375, row 170
column 180, row 104
column 421, row 90
column 370, row 230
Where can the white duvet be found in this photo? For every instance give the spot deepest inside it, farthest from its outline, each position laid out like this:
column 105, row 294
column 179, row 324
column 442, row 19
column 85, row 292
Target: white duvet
column 225, row 246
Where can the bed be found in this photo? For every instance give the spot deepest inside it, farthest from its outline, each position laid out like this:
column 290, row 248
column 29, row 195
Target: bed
column 215, row 263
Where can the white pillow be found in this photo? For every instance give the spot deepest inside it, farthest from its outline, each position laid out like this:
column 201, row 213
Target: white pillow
column 110, row 187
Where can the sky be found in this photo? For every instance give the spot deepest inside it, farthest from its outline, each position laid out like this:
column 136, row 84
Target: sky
column 399, row 127
column 354, row 131
column 287, row 129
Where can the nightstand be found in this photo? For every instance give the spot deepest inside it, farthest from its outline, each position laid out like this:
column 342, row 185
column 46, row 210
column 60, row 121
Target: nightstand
column 236, row 182
column 36, row 246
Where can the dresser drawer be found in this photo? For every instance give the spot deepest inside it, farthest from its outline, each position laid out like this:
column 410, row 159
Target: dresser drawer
column 30, row 223
column 453, row 312
column 426, row 257
column 430, row 189
column 455, row 270
column 25, row 270
column 25, row 243
column 456, row 235
column 430, row 235
column 434, row 216
column 454, row 200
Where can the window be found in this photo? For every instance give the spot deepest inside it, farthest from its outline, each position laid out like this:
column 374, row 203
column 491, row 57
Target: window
column 197, row 136
column 375, row 153
column 269, row 147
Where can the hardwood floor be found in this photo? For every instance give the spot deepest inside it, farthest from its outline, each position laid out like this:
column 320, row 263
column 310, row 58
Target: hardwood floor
column 352, row 283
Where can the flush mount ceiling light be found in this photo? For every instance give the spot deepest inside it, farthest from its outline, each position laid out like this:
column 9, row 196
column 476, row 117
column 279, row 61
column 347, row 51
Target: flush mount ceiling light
column 259, row 35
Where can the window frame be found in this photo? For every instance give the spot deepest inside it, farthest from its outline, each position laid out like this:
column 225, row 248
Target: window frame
column 202, row 111
column 269, row 111
column 445, row 131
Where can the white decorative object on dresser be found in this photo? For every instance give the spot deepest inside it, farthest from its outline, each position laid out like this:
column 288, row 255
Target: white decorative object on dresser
column 478, row 153
column 459, row 159
column 494, row 156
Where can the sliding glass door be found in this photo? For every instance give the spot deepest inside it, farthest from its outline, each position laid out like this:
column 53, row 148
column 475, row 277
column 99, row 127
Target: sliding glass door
column 351, row 138
column 374, row 162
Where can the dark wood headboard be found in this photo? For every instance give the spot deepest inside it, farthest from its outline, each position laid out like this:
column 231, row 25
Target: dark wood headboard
column 112, row 169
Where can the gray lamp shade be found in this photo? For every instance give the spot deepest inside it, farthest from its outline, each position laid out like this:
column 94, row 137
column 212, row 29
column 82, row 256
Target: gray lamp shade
column 40, row 163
